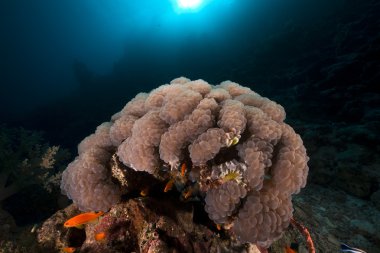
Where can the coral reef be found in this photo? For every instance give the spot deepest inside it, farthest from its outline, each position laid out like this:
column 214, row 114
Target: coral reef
column 344, row 156
column 224, row 143
column 30, row 174
column 26, row 160
column 319, row 209
column 141, row 224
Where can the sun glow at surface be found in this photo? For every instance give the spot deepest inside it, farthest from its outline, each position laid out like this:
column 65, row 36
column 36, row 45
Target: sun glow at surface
column 189, row 4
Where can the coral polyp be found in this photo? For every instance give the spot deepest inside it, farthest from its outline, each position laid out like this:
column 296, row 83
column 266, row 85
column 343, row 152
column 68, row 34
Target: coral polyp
column 230, row 170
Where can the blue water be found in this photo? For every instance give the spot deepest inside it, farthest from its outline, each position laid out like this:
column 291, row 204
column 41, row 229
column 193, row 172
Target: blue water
column 140, row 43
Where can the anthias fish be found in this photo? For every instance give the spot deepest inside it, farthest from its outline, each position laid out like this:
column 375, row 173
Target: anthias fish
column 80, row 220
column 68, row 249
column 169, row 185
column 100, row 236
column 183, row 169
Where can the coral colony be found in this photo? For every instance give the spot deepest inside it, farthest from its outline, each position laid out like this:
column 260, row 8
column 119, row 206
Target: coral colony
column 222, row 144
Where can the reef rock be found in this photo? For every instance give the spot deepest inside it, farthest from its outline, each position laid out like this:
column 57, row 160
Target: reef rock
column 142, row 224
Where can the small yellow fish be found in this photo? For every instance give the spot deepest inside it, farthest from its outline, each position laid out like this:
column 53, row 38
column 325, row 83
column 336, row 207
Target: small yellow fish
column 100, row 236
column 169, row 185
column 80, row 220
column 68, row 249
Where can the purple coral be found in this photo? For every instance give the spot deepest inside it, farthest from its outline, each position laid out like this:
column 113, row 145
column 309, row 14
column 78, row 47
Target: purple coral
column 240, row 155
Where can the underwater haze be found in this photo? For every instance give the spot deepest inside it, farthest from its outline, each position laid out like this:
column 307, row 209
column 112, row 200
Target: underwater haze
column 51, row 48
column 68, row 66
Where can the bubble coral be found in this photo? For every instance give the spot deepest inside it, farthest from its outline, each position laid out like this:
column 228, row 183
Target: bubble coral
column 241, row 158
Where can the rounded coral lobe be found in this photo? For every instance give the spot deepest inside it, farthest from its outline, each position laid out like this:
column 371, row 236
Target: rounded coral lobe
column 222, row 144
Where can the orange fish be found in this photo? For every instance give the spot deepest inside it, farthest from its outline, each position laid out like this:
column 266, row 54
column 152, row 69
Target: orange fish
column 144, row 192
column 100, row 236
column 183, row 169
column 80, row 220
column 187, row 193
column 169, row 185
column 69, row 249
column 289, row 250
